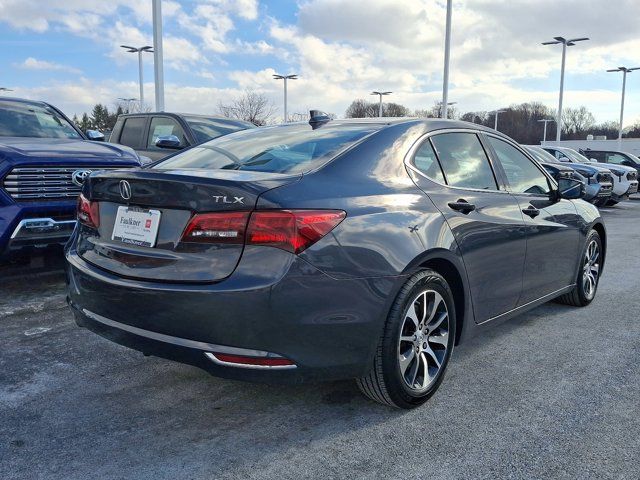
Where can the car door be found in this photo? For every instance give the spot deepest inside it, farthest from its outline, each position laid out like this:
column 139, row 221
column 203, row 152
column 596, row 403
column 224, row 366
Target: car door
column 161, row 125
column 552, row 224
column 485, row 219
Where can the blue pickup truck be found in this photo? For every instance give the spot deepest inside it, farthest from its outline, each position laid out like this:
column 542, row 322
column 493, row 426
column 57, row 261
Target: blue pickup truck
column 44, row 159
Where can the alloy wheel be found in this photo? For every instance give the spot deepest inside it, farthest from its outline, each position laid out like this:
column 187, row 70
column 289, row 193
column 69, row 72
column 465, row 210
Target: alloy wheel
column 591, row 269
column 424, row 339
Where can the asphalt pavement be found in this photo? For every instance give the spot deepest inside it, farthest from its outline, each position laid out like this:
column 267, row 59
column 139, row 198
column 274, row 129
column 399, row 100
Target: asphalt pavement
column 554, row 393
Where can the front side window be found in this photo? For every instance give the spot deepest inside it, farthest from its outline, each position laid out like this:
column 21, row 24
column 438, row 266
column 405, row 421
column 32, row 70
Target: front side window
column 163, row 126
column 522, row 174
column 464, row 161
column 616, row 158
column 426, row 161
column 26, row 119
column 288, row 149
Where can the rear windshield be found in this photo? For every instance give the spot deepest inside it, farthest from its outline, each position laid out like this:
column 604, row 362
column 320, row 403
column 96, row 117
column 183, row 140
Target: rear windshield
column 288, row 149
column 205, row 128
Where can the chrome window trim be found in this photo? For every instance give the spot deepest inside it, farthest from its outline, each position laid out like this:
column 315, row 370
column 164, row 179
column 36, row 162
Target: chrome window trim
column 408, row 159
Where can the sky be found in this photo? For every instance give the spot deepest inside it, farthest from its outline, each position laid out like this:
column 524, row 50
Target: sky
column 67, row 52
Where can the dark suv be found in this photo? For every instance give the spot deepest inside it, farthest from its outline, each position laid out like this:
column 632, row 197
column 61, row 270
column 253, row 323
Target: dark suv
column 612, row 156
column 157, row 135
column 340, row 249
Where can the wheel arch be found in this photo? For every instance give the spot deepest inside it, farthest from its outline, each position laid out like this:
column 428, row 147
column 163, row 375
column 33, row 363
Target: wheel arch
column 451, row 268
column 599, row 227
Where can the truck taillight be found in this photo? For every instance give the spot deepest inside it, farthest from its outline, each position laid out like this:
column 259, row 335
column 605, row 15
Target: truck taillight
column 88, row 212
column 290, row 230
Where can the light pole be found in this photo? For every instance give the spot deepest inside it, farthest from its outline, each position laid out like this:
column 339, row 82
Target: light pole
column 565, row 43
column 139, row 52
column 445, row 109
column 128, row 102
column 285, row 78
column 545, row 120
column 380, row 94
column 158, row 68
column 495, row 122
column 624, row 71
column 447, row 49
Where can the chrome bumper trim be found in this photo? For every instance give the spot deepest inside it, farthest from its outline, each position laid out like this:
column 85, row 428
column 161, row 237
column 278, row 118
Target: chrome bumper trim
column 184, row 342
column 31, row 227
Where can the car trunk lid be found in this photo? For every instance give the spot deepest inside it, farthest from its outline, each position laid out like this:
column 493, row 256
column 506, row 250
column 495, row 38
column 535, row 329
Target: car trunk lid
column 171, row 198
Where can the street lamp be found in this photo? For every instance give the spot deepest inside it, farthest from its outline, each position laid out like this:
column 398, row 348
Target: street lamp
column 128, row 102
column 139, row 52
column 158, row 62
column 624, row 71
column 285, row 78
column 380, row 94
column 565, row 43
column 447, row 49
column 445, row 109
column 545, row 120
column 495, row 122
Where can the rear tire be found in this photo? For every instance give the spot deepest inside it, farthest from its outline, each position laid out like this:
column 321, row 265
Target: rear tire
column 416, row 345
column 588, row 275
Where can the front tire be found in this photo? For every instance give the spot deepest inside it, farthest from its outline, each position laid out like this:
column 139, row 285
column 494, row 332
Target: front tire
column 416, row 345
column 589, row 274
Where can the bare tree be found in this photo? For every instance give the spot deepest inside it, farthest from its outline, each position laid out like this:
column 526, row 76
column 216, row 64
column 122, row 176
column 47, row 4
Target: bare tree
column 251, row 106
column 436, row 111
column 576, row 121
column 363, row 109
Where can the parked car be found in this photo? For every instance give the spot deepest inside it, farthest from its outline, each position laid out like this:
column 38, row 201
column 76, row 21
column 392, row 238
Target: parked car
column 625, row 180
column 341, row 249
column 598, row 184
column 158, row 135
column 614, row 157
column 44, row 159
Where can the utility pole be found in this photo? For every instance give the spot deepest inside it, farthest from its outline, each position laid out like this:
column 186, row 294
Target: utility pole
column 447, row 49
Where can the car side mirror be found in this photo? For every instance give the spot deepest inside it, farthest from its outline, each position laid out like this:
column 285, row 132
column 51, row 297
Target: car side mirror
column 570, row 188
column 95, row 135
column 168, row 141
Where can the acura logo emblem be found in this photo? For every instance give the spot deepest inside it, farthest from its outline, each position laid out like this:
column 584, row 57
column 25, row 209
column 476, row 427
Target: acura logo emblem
column 78, row 176
column 125, row 189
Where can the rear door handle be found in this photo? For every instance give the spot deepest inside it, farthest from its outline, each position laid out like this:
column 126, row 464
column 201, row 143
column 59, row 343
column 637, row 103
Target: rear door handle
column 531, row 211
column 462, row 206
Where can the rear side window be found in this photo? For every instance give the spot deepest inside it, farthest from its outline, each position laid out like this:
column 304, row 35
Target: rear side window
column 132, row 132
column 522, row 174
column 287, row 149
column 426, row 161
column 464, row 161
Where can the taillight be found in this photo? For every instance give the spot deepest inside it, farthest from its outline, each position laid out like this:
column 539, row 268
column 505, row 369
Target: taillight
column 88, row 212
column 217, row 228
column 291, row 230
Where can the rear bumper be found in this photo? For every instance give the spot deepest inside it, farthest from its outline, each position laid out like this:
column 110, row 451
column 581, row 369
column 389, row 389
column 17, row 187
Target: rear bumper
column 328, row 328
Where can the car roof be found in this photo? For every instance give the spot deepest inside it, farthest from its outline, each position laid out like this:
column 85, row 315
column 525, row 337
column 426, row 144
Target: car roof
column 24, row 100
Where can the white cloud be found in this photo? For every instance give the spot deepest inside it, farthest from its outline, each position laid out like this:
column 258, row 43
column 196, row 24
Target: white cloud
column 31, row 63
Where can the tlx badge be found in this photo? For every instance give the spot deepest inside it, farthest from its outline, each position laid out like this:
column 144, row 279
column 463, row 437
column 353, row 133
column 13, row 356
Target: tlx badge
column 225, row 199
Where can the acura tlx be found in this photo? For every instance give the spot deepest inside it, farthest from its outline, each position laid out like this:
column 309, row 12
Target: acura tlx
column 332, row 249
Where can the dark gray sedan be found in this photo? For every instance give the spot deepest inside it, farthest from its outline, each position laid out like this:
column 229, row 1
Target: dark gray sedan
column 336, row 249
